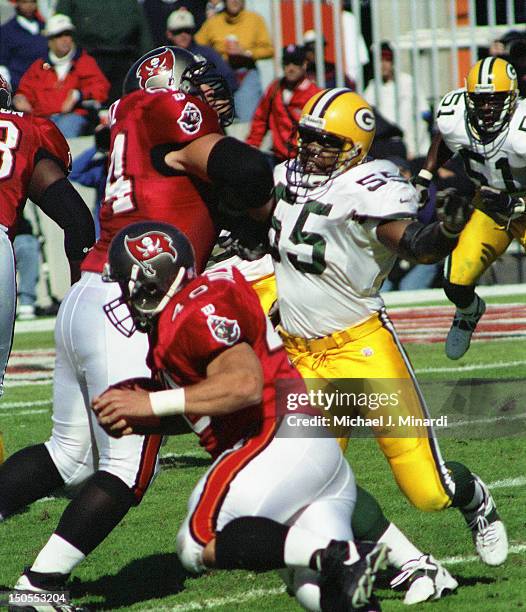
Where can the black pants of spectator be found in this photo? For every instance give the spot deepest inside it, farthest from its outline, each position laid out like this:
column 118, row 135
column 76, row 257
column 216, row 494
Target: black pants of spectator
column 115, row 67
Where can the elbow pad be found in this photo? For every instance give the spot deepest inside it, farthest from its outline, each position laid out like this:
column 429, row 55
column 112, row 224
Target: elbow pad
column 241, row 175
column 426, row 243
column 62, row 203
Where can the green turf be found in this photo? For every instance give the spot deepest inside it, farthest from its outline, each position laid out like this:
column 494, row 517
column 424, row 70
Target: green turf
column 136, row 568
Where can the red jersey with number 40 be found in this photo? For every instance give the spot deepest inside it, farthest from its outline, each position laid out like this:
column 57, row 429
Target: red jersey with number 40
column 24, row 140
column 210, row 315
column 145, row 126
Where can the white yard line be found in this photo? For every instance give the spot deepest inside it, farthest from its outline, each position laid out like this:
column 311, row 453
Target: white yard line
column 473, row 367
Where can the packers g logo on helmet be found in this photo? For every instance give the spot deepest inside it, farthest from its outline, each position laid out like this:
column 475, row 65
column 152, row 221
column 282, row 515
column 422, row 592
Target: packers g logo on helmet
column 335, row 132
column 491, row 97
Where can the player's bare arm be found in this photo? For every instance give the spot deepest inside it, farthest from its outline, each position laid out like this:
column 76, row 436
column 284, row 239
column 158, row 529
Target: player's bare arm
column 234, row 381
column 55, row 195
column 437, row 156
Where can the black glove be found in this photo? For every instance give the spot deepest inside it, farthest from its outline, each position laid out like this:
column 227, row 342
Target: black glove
column 453, row 211
column 502, row 205
column 421, row 183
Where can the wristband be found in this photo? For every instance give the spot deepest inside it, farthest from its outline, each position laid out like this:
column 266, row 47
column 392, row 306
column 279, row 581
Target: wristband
column 425, row 174
column 167, row 403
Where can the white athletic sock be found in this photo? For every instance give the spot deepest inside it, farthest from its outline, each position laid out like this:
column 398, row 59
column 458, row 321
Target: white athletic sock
column 301, row 544
column 58, row 555
column 401, row 550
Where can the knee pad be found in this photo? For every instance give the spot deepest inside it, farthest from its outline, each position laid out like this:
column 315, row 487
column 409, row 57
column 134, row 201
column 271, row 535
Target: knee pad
column 461, row 295
column 190, row 553
column 75, row 468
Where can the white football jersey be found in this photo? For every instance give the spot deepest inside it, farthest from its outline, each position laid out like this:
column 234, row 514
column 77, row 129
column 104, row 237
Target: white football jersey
column 328, row 261
column 500, row 164
column 251, row 270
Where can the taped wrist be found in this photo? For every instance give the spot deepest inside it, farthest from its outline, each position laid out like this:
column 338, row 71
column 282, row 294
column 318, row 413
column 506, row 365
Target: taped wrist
column 240, row 173
column 61, row 202
column 426, row 243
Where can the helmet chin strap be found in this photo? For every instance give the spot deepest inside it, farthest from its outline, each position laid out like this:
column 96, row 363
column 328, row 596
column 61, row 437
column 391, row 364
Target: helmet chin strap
column 170, row 293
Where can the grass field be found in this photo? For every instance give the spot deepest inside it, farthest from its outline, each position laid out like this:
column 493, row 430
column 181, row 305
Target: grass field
column 136, row 567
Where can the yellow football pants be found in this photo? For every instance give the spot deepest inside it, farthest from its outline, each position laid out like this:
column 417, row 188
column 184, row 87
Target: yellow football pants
column 265, row 287
column 481, row 242
column 372, row 350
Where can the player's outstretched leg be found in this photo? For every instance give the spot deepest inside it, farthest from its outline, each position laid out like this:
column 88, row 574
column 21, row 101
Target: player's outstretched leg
column 470, row 308
column 420, row 574
column 88, row 519
column 473, row 499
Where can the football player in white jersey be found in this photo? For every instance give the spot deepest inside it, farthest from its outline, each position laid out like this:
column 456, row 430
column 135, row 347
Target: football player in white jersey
column 485, row 123
column 339, row 223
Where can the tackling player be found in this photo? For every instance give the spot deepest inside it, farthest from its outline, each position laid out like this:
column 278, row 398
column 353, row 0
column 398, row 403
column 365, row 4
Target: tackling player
column 34, row 163
column 339, row 223
column 485, row 123
column 221, row 361
column 169, row 161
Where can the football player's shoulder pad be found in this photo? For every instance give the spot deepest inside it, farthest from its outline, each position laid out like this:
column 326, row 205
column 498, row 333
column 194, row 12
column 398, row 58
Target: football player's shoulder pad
column 450, row 115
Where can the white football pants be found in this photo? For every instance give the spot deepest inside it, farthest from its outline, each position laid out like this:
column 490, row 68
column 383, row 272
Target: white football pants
column 7, row 301
column 91, row 355
column 302, row 481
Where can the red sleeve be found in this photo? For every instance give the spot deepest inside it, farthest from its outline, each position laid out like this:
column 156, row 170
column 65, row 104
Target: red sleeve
column 92, row 83
column 180, row 118
column 259, row 126
column 53, row 144
column 215, row 322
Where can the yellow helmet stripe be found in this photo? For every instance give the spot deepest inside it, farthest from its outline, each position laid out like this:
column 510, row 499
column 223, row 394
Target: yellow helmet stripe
column 324, row 101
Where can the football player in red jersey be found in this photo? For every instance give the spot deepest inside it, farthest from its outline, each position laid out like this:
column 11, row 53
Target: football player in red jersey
column 275, row 496
column 34, row 163
column 170, row 161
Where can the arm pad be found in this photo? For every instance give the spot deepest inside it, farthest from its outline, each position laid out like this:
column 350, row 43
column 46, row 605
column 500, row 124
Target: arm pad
column 426, row 243
column 241, row 174
column 61, row 202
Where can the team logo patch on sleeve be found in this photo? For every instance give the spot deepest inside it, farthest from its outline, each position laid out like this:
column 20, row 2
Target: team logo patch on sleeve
column 224, row 330
column 148, row 247
column 190, row 119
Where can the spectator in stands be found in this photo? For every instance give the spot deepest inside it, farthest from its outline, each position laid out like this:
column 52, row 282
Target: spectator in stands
column 47, row 8
column 56, row 86
column 180, row 30
column 356, row 55
column 417, row 141
column 213, row 7
column 518, row 60
column 27, row 255
column 280, row 108
column 242, row 37
column 21, row 42
column 158, row 11
column 114, row 32
column 309, row 42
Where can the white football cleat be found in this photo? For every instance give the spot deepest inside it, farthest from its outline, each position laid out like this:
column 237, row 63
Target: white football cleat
column 462, row 328
column 488, row 531
column 426, row 579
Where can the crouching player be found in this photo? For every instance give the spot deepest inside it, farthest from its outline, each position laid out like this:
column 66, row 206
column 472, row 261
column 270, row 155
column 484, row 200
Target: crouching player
column 273, row 498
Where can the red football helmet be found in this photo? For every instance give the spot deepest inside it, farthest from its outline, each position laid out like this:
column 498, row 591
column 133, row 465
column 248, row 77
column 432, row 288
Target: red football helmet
column 5, row 93
column 177, row 68
column 151, row 261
